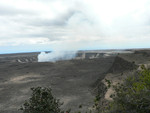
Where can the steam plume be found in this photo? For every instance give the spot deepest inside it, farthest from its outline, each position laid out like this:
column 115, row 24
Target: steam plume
column 102, row 24
column 56, row 56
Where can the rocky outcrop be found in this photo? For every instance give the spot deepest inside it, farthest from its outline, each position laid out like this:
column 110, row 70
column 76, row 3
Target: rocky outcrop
column 143, row 52
column 120, row 65
column 19, row 58
column 26, row 59
column 116, row 74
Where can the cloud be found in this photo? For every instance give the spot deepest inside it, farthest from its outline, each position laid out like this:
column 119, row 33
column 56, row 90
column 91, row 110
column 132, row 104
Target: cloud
column 23, row 41
column 42, row 22
column 75, row 24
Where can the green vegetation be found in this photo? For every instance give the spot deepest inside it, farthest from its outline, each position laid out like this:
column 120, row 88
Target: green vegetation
column 133, row 96
column 41, row 101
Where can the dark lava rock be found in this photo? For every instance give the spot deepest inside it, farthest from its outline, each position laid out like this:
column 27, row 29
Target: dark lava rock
column 120, row 65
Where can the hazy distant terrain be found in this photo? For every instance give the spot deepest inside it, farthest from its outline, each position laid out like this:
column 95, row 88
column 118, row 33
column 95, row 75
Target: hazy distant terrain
column 71, row 80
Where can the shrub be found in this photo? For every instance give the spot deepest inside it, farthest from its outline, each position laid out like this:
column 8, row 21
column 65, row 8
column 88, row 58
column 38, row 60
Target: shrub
column 41, row 101
column 134, row 95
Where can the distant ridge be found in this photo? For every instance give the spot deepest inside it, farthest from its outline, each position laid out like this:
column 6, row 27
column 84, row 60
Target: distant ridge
column 120, row 65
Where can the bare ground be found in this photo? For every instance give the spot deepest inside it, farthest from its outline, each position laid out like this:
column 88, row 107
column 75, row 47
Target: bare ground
column 70, row 81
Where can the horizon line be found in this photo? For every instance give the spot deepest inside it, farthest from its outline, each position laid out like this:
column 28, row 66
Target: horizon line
column 21, row 52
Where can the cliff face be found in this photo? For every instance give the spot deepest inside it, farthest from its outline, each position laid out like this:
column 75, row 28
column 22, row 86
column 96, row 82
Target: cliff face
column 19, row 58
column 120, row 65
column 119, row 70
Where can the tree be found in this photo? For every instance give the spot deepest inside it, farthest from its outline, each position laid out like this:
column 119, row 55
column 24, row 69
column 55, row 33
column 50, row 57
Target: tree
column 41, row 101
column 133, row 96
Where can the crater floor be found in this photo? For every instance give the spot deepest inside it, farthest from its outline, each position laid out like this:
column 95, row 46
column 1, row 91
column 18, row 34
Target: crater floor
column 70, row 81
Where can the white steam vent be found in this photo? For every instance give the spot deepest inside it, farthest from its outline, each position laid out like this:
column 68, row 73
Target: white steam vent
column 56, row 56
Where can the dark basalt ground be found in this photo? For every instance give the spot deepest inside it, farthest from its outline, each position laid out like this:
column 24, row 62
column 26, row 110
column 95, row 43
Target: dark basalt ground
column 120, row 65
column 71, row 81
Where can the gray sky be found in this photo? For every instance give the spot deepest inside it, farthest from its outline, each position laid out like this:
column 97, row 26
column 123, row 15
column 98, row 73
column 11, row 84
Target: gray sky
column 36, row 25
